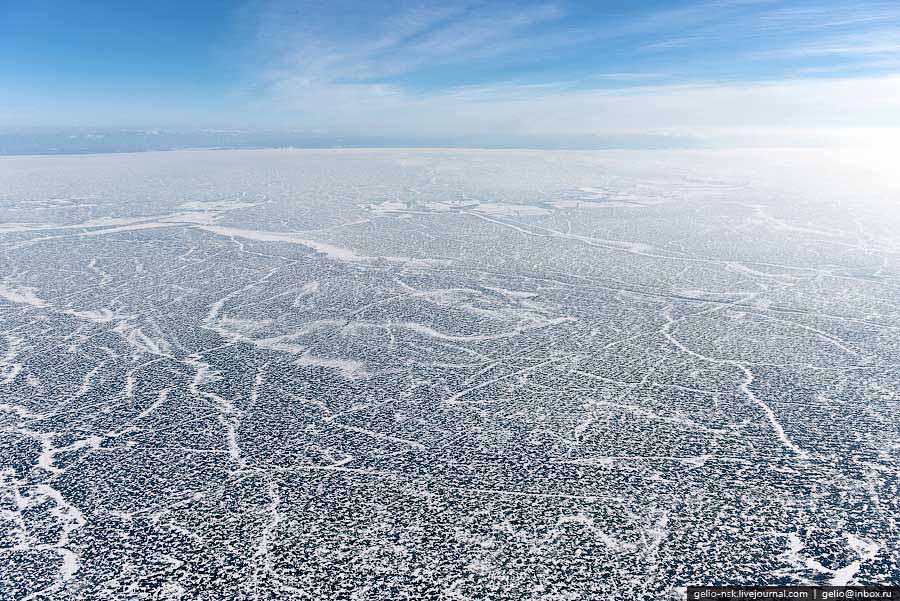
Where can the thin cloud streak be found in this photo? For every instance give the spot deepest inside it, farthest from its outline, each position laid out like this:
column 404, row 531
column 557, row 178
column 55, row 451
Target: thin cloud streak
column 523, row 109
column 363, row 79
column 414, row 38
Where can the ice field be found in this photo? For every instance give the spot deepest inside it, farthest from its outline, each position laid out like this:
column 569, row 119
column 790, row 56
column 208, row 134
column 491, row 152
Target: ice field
column 447, row 374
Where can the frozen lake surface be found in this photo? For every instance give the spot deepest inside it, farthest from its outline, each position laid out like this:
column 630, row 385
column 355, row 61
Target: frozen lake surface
column 447, row 374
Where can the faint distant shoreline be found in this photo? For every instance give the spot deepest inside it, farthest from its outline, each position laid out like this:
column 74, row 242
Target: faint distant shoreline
column 80, row 141
column 93, row 141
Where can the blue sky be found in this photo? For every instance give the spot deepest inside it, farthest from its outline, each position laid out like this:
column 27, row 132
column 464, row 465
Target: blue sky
column 441, row 68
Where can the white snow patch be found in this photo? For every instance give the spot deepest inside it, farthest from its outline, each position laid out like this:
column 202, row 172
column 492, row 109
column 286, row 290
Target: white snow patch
column 103, row 315
column 332, row 251
column 215, row 205
column 23, row 295
column 352, row 370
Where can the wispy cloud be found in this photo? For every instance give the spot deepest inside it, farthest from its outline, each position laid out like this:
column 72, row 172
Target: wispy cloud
column 630, row 76
column 880, row 42
column 770, row 29
column 825, row 16
column 328, row 64
column 523, row 109
column 430, row 66
column 468, row 66
column 401, row 41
